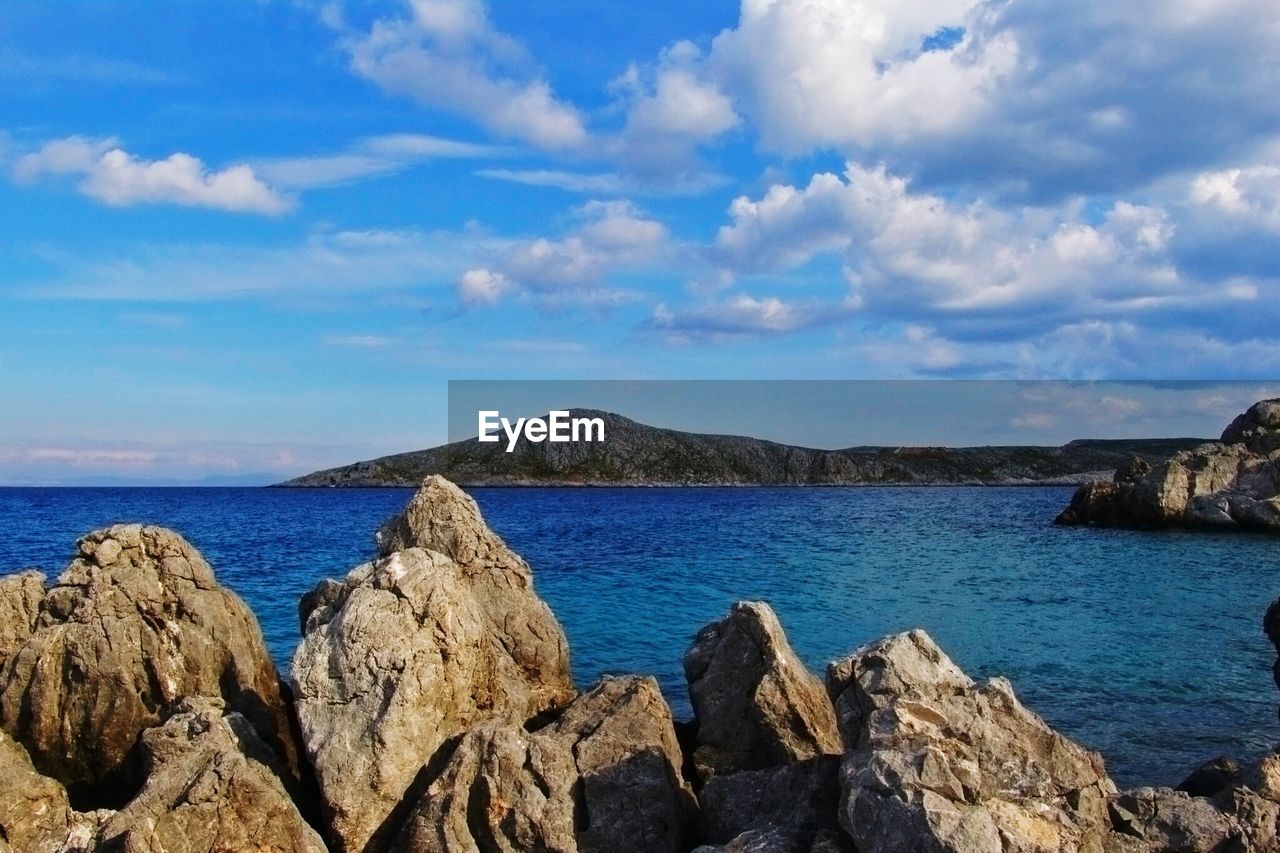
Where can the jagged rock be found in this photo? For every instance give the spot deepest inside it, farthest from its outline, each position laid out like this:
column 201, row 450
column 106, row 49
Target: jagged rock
column 1232, row 484
column 756, row 704
column 790, row 806
column 876, row 674
column 35, row 814
column 1258, row 428
column 1211, row 777
column 212, row 785
column 20, row 597
column 136, row 622
column 1166, row 820
column 603, row 777
column 414, row 649
column 943, row 765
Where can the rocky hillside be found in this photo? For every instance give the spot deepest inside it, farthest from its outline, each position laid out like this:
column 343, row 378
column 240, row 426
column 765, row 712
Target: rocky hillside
column 636, row 454
column 1233, row 483
column 432, row 709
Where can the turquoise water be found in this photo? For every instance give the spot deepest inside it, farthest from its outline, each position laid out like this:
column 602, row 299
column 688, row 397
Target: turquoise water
column 1145, row 646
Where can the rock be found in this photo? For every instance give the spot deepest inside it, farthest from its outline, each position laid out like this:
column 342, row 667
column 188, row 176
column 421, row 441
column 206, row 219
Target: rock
column 941, row 764
column 212, row 785
column 20, row 597
column 756, row 704
column 136, row 622
column 1168, row 820
column 779, row 841
column 1258, row 428
column 603, row 777
column 414, row 649
column 1211, row 777
column 1234, row 484
column 874, row 675
column 791, row 805
column 35, row 814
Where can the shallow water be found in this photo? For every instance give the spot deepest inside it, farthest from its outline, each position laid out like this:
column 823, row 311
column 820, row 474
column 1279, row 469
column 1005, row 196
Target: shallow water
column 1145, row 646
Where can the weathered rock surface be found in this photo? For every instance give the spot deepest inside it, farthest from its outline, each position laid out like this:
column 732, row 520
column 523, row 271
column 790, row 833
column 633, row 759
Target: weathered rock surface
column 1234, row 483
column 756, row 704
column 940, row 764
column 1211, row 778
column 20, row 597
column 414, row 649
column 787, row 808
column 1165, row 820
column 35, row 814
column 603, row 777
column 135, row 623
column 212, row 785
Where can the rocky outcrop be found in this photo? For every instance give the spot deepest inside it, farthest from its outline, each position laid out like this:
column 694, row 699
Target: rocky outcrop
column 941, row 764
column 755, row 703
column 212, row 785
column 605, row 776
column 135, row 623
column 1234, row 483
column 442, row 632
column 20, row 597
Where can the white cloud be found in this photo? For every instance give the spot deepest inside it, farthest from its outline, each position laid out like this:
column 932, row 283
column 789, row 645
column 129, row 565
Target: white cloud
column 834, row 73
column 600, row 183
column 446, row 54
column 744, row 316
column 1251, row 195
column 611, row 236
column 360, row 341
column 909, row 254
column 373, row 157
column 115, row 177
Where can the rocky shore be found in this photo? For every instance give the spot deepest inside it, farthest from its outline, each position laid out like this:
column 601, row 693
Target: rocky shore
column 1229, row 484
column 430, row 707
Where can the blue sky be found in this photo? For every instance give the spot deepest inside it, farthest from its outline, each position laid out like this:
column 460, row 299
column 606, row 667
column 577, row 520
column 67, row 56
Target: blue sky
column 262, row 238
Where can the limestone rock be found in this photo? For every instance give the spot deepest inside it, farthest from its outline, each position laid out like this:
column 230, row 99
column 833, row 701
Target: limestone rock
column 605, row 776
column 414, row 649
column 756, row 704
column 1166, row 820
column 35, row 814
column 943, row 765
column 136, row 622
column 788, row 807
column 780, row 841
column 1232, row 484
column 212, row 785
column 20, row 597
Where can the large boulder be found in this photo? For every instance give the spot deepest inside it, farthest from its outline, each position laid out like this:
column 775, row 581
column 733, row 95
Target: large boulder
column 941, row 764
column 1234, row 483
column 136, row 622
column 756, row 704
column 414, row 649
column 605, row 776
column 20, row 597
column 212, row 785
column 35, row 814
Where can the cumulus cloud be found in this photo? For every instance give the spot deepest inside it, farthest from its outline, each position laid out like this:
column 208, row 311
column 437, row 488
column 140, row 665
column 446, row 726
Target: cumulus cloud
column 1248, row 195
column 910, row 254
column 610, row 236
column 446, row 54
column 111, row 175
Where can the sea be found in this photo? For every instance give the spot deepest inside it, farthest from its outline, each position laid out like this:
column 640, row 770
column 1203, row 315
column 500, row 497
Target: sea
column 1144, row 645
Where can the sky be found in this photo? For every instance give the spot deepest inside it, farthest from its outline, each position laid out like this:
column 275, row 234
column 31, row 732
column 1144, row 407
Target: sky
column 259, row 238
